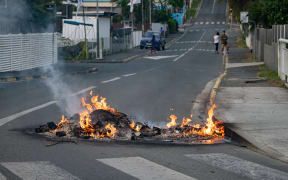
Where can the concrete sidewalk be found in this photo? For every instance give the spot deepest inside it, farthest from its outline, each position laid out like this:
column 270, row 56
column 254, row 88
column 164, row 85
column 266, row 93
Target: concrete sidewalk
column 63, row 69
column 252, row 107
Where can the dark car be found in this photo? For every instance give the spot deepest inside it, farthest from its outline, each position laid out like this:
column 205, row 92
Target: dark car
column 146, row 40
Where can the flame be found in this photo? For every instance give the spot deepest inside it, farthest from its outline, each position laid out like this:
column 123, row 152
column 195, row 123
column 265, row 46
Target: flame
column 185, row 121
column 85, row 122
column 172, row 123
column 134, row 126
column 60, row 125
column 110, row 130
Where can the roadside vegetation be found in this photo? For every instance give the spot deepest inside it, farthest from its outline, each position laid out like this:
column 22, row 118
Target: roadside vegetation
column 191, row 13
column 270, row 75
column 263, row 13
column 241, row 40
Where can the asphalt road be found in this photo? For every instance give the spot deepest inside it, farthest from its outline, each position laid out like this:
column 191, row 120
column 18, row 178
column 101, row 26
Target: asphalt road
column 145, row 88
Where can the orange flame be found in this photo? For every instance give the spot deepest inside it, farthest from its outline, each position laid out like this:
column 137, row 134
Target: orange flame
column 134, row 126
column 172, row 123
column 110, row 130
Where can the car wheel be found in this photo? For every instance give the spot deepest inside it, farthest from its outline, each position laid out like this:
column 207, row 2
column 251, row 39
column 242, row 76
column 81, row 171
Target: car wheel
column 163, row 47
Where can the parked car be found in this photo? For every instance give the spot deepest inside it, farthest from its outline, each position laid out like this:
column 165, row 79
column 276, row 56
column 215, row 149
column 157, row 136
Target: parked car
column 146, row 40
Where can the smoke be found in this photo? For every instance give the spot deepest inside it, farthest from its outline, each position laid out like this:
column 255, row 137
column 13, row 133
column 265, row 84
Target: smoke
column 66, row 101
column 17, row 16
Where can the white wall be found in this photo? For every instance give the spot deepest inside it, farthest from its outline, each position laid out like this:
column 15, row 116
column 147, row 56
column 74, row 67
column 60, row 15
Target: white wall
column 77, row 33
column 157, row 27
column 26, row 51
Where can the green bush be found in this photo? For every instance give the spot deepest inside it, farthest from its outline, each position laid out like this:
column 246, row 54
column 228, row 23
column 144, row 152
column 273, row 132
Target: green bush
column 172, row 25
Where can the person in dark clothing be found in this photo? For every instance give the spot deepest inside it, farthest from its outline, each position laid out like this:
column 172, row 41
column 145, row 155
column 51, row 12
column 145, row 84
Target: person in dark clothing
column 224, row 42
column 153, row 45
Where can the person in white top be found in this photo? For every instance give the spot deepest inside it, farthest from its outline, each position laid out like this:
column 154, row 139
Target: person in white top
column 216, row 42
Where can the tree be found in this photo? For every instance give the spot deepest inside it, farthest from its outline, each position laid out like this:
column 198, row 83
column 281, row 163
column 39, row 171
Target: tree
column 269, row 12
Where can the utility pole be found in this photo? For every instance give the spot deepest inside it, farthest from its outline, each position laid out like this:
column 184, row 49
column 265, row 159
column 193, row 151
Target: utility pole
column 150, row 13
column 142, row 1
column 86, row 48
column 97, row 29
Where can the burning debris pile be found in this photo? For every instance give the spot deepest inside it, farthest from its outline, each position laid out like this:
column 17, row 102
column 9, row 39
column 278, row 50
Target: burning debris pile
column 99, row 121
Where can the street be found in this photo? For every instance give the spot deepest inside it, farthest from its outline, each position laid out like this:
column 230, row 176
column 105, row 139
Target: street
column 148, row 89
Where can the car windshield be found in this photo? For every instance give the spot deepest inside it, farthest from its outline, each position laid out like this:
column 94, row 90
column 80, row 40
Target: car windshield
column 150, row 34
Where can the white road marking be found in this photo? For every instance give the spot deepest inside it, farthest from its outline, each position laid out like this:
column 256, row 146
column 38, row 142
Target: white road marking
column 223, row 22
column 127, row 75
column 27, row 111
column 201, row 22
column 213, row 6
column 196, row 23
column 83, row 91
column 160, row 57
column 212, row 22
column 144, row 169
column 22, row 113
column 2, row 177
column 38, row 170
column 110, row 80
column 207, row 22
column 179, row 57
column 218, row 22
column 239, row 166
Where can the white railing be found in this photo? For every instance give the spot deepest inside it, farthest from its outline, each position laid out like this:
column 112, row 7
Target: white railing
column 283, row 59
column 19, row 52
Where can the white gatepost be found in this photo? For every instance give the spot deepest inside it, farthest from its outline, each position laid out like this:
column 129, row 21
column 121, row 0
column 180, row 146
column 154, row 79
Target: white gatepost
column 283, row 59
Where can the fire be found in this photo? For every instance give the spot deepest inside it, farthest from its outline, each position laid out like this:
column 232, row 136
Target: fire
column 185, row 121
column 134, row 126
column 172, row 123
column 211, row 128
column 110, row 130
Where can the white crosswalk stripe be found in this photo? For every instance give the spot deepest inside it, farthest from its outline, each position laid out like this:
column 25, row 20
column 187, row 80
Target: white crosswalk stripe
column 218, row 22
column 223, row 22
column 196, row 23
column 207, row 22
column 212, row 22
column 201, row 22
column 144, row 169
column 38, row 170
column 239, row 166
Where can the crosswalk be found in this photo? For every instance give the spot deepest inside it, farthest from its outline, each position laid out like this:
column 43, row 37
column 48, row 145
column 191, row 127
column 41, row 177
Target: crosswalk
column 183, row 49
column 144, row 169
column 203, row 29
column 210, row 22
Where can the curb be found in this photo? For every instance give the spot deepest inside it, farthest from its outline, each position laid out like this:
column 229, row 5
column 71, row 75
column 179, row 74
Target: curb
column 43, row 76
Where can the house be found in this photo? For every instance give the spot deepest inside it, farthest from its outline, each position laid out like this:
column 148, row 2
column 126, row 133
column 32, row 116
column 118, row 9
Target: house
column 74, row 28
column 103, row 6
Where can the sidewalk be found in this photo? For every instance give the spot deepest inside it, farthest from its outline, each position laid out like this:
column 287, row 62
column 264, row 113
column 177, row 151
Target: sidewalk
column 63, row 69
column 252, row 107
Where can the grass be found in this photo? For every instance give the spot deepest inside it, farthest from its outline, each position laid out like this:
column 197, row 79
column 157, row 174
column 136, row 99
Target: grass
column 241, row 41
column 192, row 11
column 270, row 75
column 195, row 4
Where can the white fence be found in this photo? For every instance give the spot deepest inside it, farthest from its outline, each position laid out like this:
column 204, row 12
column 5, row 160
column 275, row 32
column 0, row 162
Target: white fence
column 137, row 36
column 283, row 59
column 19, row 52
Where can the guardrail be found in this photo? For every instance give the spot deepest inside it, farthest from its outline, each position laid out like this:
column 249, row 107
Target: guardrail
column 20, row 52
column 283, row 59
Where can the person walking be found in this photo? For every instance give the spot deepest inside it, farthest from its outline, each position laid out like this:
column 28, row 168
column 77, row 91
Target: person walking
column 224, row 42
column 216, row 42
column 153, row 45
